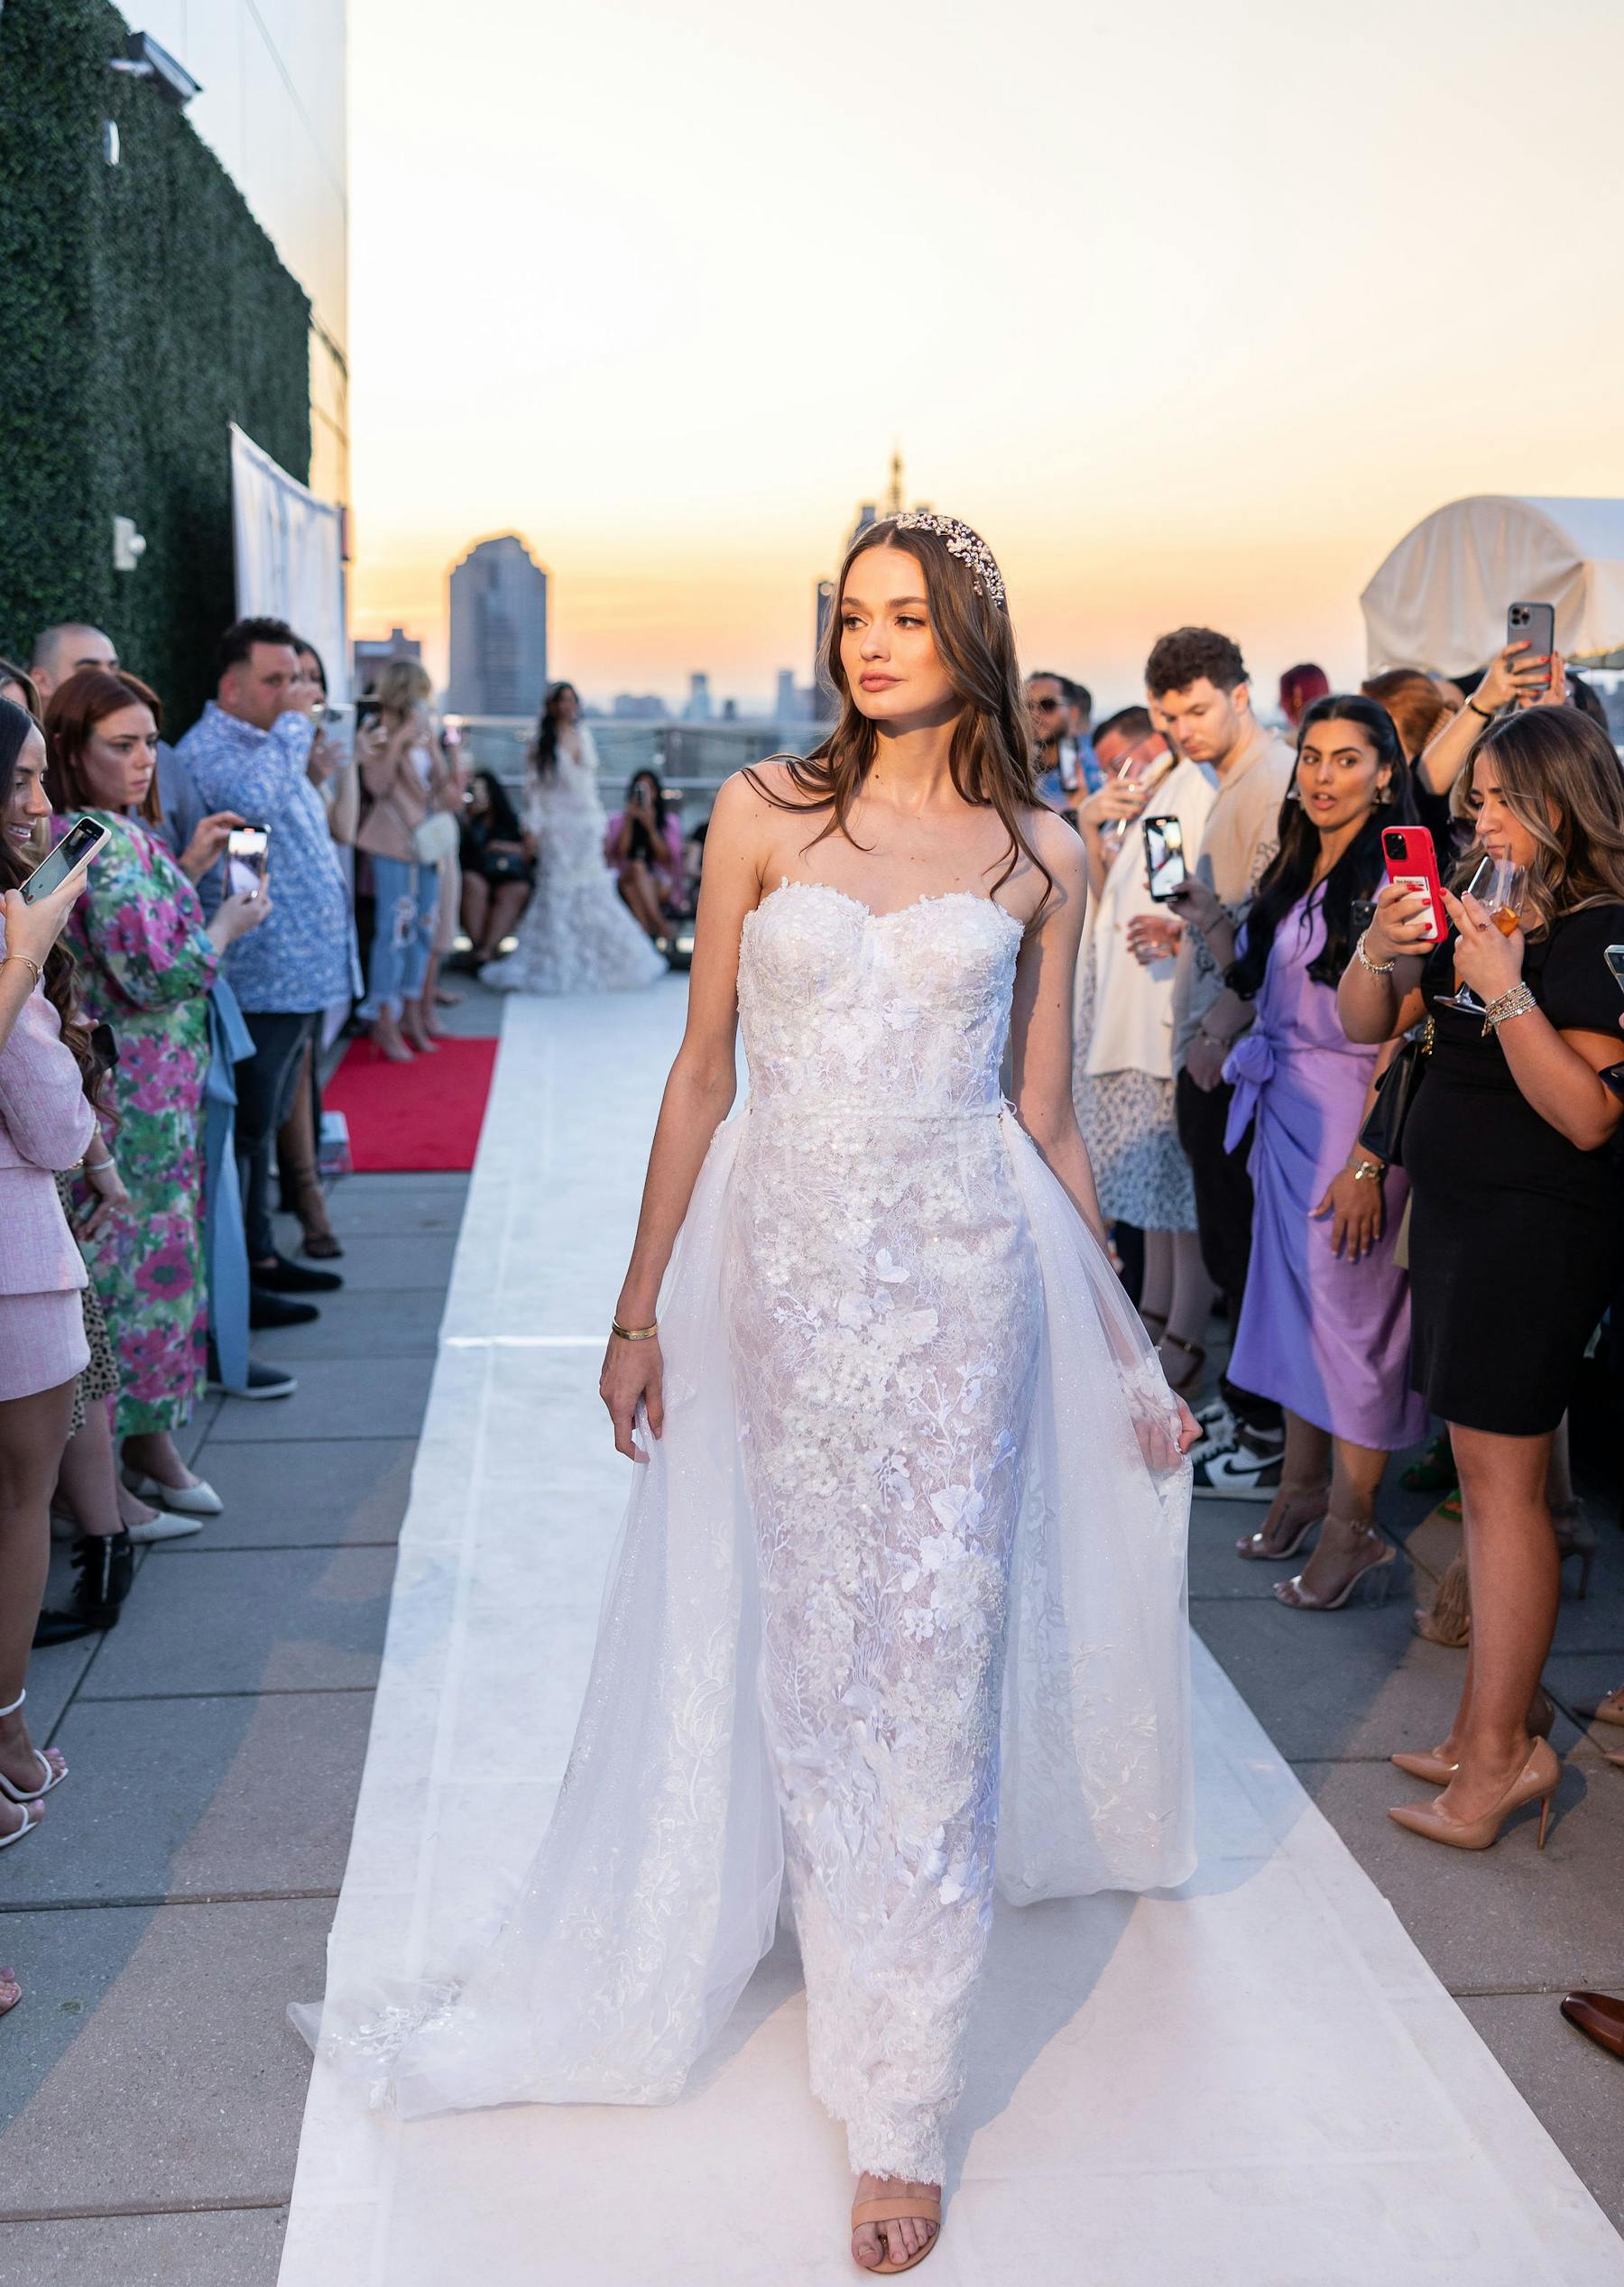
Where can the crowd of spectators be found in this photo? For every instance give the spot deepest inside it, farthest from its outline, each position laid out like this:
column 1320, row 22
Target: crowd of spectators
column 1387, row 1149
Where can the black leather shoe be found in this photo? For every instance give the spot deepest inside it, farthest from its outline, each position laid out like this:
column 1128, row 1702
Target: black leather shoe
column 263, row 1381
column 281, row 1277
column 266, row 1309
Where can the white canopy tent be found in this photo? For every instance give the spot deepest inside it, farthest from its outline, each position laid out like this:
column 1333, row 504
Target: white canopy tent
column 290, row 556
column 1439, row 601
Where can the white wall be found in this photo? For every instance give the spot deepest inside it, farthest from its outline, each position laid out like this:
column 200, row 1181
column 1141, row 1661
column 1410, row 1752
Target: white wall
column 273, row 110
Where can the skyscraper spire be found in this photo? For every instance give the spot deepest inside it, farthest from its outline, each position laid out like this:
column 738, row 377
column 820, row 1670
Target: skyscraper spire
column 893, row 498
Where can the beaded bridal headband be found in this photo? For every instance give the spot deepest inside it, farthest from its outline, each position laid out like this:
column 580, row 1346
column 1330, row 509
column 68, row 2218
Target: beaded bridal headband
column 967, row 545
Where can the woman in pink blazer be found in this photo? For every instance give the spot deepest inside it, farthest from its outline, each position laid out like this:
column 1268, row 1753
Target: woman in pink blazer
column 46, row 1125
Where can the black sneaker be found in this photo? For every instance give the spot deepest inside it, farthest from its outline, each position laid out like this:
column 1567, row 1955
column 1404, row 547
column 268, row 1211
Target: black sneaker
column 1239, row 1473
column 281, row 1277
column 266, row 1310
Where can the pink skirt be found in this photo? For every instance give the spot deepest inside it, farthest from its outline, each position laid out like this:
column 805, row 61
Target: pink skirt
column 42, row 1342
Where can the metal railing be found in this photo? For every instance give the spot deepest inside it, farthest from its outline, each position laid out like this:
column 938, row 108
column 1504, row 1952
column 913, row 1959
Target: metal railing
column 692, row 758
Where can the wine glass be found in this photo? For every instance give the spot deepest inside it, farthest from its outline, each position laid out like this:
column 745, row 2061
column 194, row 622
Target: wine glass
column 1499, row 886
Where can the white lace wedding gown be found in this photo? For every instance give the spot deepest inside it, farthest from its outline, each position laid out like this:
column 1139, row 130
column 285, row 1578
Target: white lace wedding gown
column 576, row 935
column 899, row 1604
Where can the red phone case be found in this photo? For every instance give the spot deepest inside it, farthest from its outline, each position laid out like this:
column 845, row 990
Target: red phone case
column 1412, row 859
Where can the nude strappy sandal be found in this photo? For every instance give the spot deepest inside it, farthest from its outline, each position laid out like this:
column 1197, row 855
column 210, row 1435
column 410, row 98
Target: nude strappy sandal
column 917, row 2207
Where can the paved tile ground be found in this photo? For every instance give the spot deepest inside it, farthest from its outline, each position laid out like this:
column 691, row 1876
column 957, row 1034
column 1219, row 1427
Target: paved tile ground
column 182, row 1894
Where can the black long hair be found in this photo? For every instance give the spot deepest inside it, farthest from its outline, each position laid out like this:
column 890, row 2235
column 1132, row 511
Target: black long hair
column 1356, row 873
column 503, row 819
column 544, row 754
column 16, row 725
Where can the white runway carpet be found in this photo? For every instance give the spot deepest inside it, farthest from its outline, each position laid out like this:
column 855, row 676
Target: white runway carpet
column 1255, row 2082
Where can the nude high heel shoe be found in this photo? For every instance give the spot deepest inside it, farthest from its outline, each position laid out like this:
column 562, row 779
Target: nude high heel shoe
column 1537, row 1782
column 1431, row 1766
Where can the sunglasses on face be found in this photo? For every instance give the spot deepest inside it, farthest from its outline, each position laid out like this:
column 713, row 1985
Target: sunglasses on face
column 1048, row 706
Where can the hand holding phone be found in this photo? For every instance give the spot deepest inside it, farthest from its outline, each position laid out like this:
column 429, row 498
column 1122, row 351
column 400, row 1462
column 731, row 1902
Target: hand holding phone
column 77, row 847
column 1412, row 864
column 1535, row 625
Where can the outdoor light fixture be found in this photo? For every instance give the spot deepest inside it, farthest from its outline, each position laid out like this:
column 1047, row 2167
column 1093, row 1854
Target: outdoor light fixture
column 143, row 59
column 129, row 545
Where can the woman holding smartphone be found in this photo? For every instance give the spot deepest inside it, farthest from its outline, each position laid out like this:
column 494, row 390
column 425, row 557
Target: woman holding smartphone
column 146, row 963
column 1516, row 1232
column 47, row 1126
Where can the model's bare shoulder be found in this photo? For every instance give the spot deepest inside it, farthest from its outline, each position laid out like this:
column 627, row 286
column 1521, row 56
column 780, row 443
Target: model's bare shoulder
column 1061, row 849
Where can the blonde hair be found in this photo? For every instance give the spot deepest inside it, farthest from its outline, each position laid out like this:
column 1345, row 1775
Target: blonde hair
column 403, row 684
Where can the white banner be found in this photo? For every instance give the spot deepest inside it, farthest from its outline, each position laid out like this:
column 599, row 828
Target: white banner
column 290, row 556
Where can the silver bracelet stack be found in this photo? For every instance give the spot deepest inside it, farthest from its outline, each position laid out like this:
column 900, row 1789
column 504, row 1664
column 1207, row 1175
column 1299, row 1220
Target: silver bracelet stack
column 1376, row 968
column 1515, row 1003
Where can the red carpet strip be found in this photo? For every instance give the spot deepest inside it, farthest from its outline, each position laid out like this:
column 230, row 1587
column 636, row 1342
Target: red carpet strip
column 419, row 1118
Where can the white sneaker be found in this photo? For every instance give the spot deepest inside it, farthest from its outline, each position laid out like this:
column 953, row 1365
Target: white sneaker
column 1218, row 1428
column 166, row 1526
column 1237, row 1474
column 189, row 1501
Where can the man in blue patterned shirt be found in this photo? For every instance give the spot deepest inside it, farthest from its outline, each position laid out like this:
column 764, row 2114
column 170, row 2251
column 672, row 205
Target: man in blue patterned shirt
column 249, row 752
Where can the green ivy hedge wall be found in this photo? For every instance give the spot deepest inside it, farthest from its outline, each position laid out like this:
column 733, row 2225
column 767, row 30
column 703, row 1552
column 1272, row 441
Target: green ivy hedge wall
column 141, row 311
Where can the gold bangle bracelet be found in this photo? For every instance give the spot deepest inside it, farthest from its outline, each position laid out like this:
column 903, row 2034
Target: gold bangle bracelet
column 633, row 1333
column 28, row 962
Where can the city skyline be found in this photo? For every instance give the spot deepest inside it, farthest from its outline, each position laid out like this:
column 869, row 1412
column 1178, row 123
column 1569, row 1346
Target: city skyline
column 1193, row 318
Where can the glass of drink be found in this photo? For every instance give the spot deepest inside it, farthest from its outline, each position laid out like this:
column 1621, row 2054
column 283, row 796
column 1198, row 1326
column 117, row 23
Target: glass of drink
column 1499, row 886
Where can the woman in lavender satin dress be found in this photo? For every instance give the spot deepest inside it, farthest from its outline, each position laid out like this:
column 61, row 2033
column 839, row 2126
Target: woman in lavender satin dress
column 1324, row 1329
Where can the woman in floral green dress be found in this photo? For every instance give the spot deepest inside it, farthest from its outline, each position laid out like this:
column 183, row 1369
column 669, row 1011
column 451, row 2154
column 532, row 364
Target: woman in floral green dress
column 146, row 963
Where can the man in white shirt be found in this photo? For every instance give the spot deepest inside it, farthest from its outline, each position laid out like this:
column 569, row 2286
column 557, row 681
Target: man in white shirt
column 1197, row 685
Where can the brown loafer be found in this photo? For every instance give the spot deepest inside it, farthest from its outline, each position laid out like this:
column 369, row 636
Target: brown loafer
column 1600, row 2017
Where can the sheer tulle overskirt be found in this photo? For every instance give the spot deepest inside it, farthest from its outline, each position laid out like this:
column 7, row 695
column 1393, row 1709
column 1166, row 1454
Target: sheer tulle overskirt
column 655, row 1891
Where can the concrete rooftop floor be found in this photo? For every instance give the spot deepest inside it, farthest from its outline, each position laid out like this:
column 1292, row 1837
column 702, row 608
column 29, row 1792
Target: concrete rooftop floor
column 180, row 1892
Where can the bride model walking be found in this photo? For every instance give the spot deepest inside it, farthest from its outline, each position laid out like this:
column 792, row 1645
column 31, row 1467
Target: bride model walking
column 899, row 1600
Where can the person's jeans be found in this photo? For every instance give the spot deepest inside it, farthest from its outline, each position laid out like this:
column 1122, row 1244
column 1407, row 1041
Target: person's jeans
column 1224, row 1216
column 264, row 1086
column 407, row 900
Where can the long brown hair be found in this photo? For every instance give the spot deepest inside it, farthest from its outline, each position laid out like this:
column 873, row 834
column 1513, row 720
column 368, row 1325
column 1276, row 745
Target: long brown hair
column 74, row 710
column 17, row 726
column 1553, row 759
column 1415, row 703
column 989, row 757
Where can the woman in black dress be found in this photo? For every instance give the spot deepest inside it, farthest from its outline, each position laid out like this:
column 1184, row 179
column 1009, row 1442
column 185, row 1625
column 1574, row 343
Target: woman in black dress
column 1516, row 1235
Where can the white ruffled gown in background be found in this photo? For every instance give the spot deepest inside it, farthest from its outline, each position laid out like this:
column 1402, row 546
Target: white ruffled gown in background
column 899, row 1602
column 576, row 935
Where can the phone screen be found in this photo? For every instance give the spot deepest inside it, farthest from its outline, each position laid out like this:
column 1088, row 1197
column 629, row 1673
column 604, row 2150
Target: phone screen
column 1614, row 958
column 1163, row 857
column 246, row 849
column 52, row 872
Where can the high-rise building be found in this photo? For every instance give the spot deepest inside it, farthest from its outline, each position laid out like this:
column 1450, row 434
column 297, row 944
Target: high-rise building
column 372, row 652
column 698, row 708
column 786, row 708
column 638, row 706
column 498, row 631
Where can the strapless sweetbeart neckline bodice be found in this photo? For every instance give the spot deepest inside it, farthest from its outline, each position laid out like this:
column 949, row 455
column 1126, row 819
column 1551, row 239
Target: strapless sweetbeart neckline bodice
column 845, row 1011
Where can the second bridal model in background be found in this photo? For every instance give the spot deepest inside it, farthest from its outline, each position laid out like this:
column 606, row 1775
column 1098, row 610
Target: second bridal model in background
column 898, row 1609
column 577, row 935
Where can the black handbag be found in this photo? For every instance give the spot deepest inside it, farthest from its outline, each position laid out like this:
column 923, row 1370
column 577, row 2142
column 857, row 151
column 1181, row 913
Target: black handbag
column 1383, row 1131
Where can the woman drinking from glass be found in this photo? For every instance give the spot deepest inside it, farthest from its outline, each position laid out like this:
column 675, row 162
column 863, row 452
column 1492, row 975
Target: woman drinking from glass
column 1517, row 1233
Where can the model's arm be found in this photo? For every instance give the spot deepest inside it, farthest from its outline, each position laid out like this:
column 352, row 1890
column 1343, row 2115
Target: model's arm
column 1040, row 1034
column 698, row 1096
column 1509, row 677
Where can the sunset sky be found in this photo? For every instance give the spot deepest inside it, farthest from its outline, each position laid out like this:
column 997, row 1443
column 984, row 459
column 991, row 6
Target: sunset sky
column 1192, row 312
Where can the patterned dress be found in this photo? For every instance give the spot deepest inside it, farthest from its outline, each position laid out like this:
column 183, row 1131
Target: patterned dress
column 145, row 967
